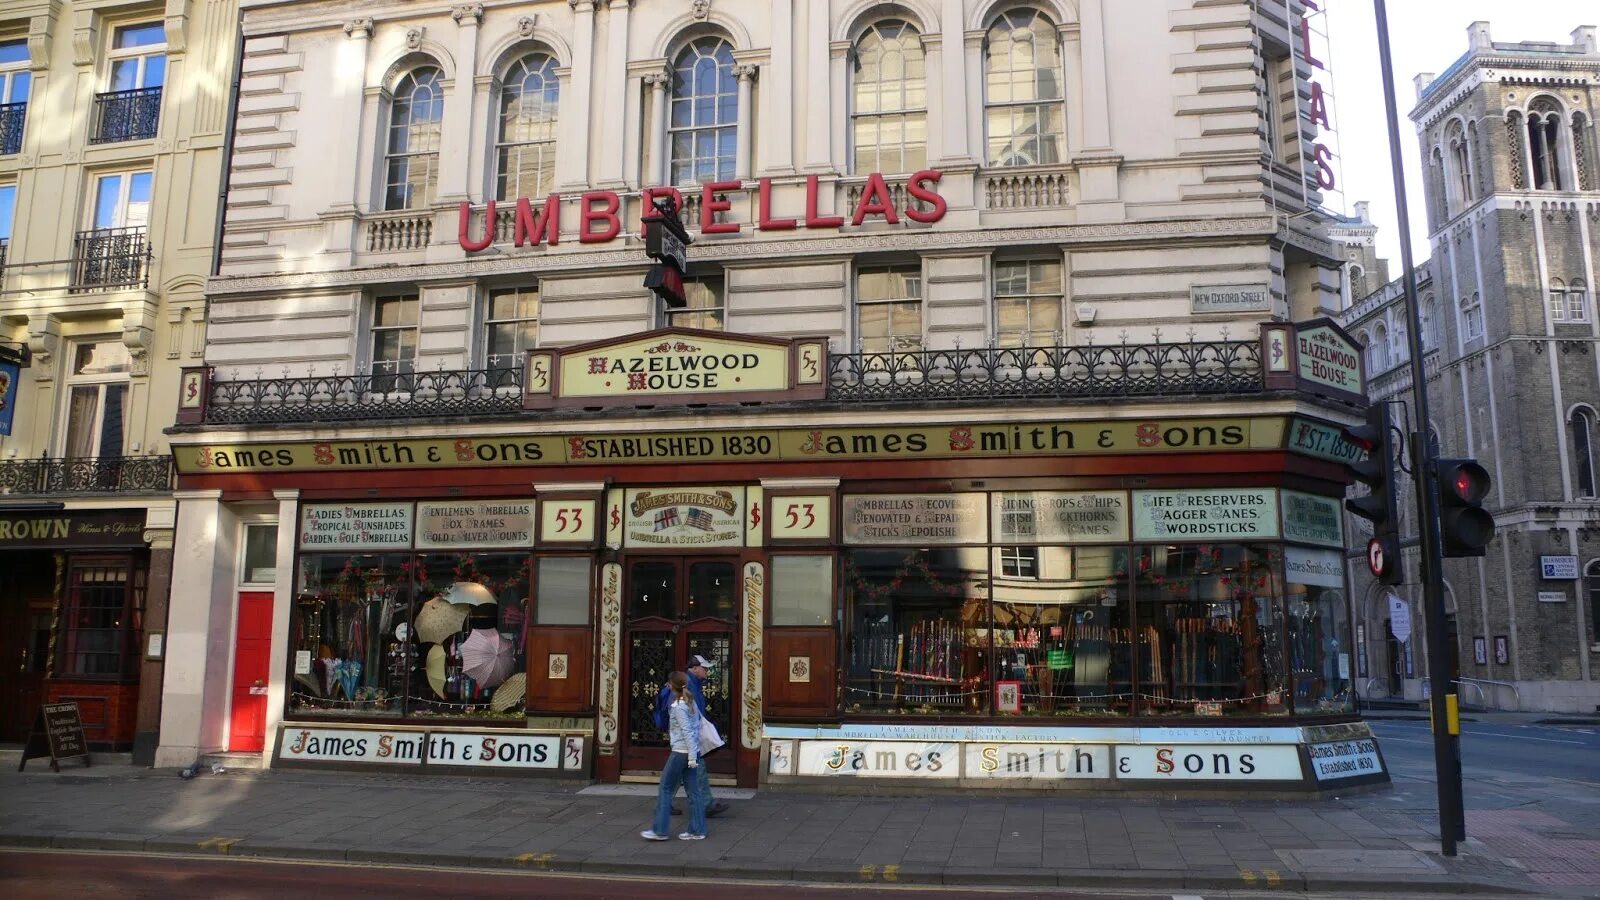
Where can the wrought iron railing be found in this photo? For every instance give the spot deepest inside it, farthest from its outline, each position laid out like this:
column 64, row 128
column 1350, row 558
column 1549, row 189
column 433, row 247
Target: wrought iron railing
column 322, row 398
column 109, row 258
column 1117, row 370
column 126, row 115
column 86, row 475
column 5, row 248
column 12, row 116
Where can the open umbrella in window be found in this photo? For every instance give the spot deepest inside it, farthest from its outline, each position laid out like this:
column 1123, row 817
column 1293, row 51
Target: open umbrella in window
column 487, row 658
column 470, row 593
column 438, row 619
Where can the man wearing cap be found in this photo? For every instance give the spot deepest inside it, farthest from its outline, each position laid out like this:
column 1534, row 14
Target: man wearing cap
column 699, row 669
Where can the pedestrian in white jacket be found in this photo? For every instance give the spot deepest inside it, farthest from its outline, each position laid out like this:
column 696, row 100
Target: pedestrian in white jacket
column 682, row 766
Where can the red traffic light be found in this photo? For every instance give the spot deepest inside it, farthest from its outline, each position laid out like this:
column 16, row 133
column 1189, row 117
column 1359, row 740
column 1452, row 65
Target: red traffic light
column 1464, row 481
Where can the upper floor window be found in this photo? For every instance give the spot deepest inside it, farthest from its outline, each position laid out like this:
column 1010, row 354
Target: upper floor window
column 526, row 148
column 1583, row 450
column 1544, row 145
column 14, row 82
column 1378, row 353
column 1399, row 351
column 394, row 340
column 1023, row 91
column 512, row 326
column 1018, row 562
column 1471, row 318
column 1461, row 192
column 703, row 128
column 1591, row 586
column 889, row 310
column 95, row 422
column 889, row 116
column 1569, row 303
column 706, row 304
column 1028, row 303
column 122, row 200
column 412, row 170
column 1430, row 318
column 8, row 214
column 114, row 250
column 1276, row 72
column 130, row 107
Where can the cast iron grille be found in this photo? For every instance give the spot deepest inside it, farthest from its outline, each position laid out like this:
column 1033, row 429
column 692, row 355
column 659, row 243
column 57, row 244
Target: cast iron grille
column 126, row 115
column 11, row 119
column 649, row 664
column 320, row 398
column 110, row 258
column 87, row 475
column 1119, row 370
column 717, row 647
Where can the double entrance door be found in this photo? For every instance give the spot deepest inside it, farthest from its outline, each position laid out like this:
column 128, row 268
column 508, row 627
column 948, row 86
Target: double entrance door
column 677, row 608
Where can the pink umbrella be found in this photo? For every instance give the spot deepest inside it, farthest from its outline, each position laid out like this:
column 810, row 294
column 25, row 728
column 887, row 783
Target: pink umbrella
column 487, row 658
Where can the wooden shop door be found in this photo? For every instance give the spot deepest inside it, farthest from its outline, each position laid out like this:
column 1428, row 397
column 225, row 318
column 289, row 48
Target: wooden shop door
column 676, row 608
column 252, row 656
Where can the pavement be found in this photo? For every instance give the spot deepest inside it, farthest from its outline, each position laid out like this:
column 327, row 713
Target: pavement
column 1530, row 832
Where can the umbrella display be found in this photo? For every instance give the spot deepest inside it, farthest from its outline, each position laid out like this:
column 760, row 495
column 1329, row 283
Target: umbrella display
column 488, row 658
column 438, row 619
column 435, row 669
column 510, row 693
column 348, row 671
column 469, row 593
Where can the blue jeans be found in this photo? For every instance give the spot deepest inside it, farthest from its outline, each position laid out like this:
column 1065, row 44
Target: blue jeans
column 694, row 782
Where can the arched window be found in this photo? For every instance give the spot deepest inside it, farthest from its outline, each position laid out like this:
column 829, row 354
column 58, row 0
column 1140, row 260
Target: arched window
column 525, row 151
column 1460, row 167
column 1591, row 587
column 1398, row 351
column 703, row 130
column 889, row 118
column 1471, row 318
column 1544, row 145
column 1583, row 450
column 1023, row 91
column 1358, row 283
column 1365, row 340
column 1430, row 320
column 1379, row 351
column 412, row 161
column 1441, row 202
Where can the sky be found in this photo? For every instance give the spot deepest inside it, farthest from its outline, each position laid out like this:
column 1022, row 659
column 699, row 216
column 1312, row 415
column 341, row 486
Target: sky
column 1426, row 36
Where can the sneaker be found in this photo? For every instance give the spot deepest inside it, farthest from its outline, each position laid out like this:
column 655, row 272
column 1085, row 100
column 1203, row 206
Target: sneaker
column 690, row 836
column 650, row 835
column 717, row 808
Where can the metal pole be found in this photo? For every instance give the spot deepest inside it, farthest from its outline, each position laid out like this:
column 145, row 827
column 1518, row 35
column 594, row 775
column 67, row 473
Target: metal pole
column 1446, row 746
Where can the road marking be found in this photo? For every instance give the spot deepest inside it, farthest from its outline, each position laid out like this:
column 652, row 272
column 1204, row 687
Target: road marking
column 538, row 860
column 1496, row 734
column 219, row 844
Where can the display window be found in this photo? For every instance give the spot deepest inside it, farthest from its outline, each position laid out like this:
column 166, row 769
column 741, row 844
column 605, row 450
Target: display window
column 411, row 635
column 1319, row 649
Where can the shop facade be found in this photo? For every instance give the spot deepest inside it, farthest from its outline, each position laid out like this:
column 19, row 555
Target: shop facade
column 1071, row 596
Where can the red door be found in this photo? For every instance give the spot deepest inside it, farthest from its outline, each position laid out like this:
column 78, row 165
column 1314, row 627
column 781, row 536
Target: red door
column 251, row 657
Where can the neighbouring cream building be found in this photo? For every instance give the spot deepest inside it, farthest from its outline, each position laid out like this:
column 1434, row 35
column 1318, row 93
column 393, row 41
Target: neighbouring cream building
column 113, row 118
column 1001, row 406
column 1509, row 335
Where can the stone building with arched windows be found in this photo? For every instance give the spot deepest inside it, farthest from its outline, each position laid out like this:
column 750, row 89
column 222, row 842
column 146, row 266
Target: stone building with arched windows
column 1510, row 335
column 983, row 416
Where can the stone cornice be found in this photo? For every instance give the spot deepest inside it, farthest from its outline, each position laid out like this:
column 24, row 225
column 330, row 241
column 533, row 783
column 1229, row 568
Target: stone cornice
column 785, row 247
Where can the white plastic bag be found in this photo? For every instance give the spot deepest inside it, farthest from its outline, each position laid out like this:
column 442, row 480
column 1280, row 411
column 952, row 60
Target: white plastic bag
column 709, row 739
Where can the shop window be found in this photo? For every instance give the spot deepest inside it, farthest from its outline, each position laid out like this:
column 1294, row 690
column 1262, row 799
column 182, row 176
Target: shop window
column 1028, row 303
column 889, row 312
column 802, row 590
column 260, row 563
column 704, row 296
column 919, row 631
column 97, row 392
column 1319, row 631
column 394, row 343
column 1209, row 630
column 889, row 112
column 526, row 145
column 441, row 634
column 1024, row 115
column 101, row 617
column 511, row 327
column 563, row 596
column 1061, row 636
column 703, row 131
column 411, row 161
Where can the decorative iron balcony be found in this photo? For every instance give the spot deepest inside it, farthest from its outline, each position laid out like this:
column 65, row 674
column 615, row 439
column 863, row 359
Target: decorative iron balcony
column 110, row 258
column 126, row 115
column 1122, row 370
column 343, row 398
column 12, row 116
column 86, row 475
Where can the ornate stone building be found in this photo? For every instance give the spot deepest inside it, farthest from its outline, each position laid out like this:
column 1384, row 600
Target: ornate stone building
column 1509, row 329
column 982, row 407
column 113, row 122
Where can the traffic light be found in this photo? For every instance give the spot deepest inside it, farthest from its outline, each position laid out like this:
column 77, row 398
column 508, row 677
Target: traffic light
column 1465, row 527
column 1378, row 506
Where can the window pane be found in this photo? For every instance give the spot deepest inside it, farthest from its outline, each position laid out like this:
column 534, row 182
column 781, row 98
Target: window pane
column 82, row 420
column 155, row 71
column 18, row 92
column 563, row 591
column 8, row 209
column 395, row 311
column 138, row 200
column 140, row 36
column 802, row 590
column 260, row 553
column 1060, row 629
column 107, row 201
column 112, row 420
column 13, row 51
column 124, row 75
column 103, row 358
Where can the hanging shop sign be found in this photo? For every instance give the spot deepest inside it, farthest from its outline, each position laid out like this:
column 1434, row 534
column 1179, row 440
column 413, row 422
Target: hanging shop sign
column 1052, row 517
column 1205, row 514
column 1321, row 568
column 1321, row 440
column 920, row 519
column 1327, row 360
column 1334, row 760
column 1312, row 519
column 684, row 517
column 10, row 387
column 1229, row 298
column 1207, row 762
column 97, row 528
column 355, row 526
column 879, row 759
column 483, row 524
column 652, row 368
column 1052, row 439
column 599, row 214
